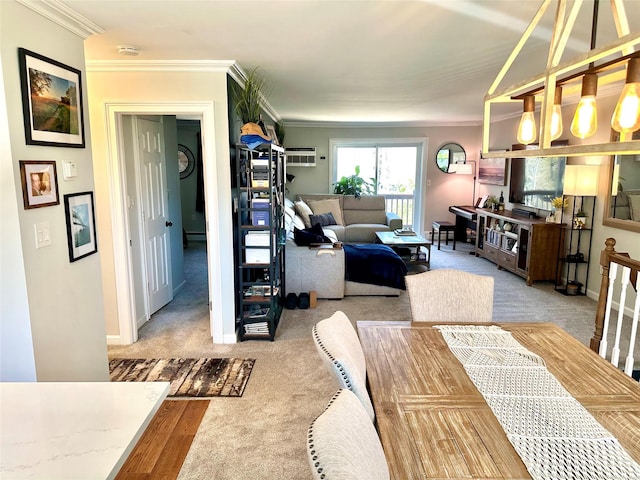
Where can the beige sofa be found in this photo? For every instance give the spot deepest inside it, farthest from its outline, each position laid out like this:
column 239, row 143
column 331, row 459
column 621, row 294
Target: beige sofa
column 362, row 216
column 323, row 270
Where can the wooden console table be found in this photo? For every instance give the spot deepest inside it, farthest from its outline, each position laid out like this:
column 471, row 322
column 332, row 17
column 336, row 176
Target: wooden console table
column 527, row 247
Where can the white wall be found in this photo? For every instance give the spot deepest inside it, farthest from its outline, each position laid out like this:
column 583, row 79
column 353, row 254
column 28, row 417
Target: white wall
column 445, row 189
column 65, row 312
column 165, row 88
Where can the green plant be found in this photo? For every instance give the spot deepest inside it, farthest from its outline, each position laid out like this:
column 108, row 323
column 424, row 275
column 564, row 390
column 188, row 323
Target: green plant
column 354, row 185
column 581, row 213
column 491, row 201
column 248, row 98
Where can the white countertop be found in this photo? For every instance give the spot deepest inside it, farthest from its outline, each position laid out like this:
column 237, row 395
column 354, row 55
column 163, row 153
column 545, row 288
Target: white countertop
column 80, row 430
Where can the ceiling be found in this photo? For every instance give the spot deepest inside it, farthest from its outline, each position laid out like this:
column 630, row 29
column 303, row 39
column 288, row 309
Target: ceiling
column 427, row 62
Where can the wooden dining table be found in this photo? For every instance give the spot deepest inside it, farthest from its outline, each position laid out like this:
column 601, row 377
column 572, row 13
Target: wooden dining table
column 435, row 424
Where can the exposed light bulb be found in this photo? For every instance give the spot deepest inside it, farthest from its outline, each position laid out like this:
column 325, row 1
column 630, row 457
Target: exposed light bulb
column 556, row 115
column 527, row 128
column 626, row 116
column 585, row 120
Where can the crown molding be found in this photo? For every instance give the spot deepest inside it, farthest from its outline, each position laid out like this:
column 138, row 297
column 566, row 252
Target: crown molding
column 400, row 124
column 66, row 17
column 223, row 66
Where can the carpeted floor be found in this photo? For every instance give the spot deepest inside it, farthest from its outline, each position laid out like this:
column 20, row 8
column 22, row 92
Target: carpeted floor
column 262, row 434
column 188, row 377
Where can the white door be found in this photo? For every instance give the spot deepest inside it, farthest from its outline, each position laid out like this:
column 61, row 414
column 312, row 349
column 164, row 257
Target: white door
column 153, row 191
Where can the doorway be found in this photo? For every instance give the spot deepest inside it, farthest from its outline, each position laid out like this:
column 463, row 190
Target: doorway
column 161, row 196
column 119, row 201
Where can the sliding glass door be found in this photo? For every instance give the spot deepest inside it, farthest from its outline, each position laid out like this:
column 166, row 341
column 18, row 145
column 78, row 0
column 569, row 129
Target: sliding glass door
column 392, row 167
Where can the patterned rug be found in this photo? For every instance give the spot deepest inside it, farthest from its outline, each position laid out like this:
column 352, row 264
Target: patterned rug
column 189, row 377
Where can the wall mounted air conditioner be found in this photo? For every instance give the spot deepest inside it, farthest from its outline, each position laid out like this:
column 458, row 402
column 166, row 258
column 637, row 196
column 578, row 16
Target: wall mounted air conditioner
column 301, row 156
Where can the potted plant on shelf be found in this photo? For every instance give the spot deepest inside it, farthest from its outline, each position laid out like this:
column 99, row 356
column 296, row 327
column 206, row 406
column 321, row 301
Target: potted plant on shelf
column 248, row 98
column 580, row 219
column 492, row 203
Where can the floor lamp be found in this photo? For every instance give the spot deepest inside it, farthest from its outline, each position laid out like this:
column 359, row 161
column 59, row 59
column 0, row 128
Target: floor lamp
column 467, row 168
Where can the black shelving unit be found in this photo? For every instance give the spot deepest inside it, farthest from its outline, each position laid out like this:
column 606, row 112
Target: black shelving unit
column 575, row 251
column 259, row 240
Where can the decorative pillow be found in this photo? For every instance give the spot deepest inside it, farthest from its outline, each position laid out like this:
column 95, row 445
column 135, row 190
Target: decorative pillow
column 323, row 219
column 298, row 222
column 310, row 235
column 304, row 211
column 329, row 205
column 634, row 207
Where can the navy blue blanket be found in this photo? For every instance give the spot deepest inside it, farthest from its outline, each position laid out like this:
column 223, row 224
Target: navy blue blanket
column 375, row 264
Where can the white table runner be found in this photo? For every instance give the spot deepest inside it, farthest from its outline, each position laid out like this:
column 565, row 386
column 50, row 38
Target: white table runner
column 555, row 436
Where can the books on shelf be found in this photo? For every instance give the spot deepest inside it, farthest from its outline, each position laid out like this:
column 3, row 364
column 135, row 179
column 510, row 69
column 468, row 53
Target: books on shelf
column 260, row 218
column 260, row 172
column 258, row 328
column 256, row 292
column 256, row 312
column 404, row 232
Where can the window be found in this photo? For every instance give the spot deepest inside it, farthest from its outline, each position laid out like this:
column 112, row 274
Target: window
column 391, row 166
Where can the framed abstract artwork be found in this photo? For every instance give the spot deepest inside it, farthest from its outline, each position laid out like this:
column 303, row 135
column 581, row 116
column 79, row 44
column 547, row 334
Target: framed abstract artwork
column 492, row 171
column 51, row 101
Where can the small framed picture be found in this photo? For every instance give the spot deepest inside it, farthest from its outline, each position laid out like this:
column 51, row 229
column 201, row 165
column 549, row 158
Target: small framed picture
column 81, row 225
column 271, row 131
column 39, row 183
column 51, row 101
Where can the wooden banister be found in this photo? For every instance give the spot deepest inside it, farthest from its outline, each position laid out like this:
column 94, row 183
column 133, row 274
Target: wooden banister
column 608, row 255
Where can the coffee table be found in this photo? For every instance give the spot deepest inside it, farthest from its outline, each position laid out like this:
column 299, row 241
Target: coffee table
column 412, row 244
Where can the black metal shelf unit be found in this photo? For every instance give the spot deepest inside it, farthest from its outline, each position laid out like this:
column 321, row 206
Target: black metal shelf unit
column 259, row 240
column 574, row 255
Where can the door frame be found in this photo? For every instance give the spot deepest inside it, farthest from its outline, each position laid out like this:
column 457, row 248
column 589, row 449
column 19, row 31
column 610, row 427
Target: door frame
column 118, row 202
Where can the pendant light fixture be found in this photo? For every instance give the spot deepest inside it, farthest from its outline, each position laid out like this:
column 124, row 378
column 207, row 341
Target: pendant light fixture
column 527, row 128
column 626, row 117
column 556, row 115
column 585, row 120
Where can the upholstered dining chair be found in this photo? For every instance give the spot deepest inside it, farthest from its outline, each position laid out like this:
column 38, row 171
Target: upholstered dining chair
column 450, row 296
column 340, row 350
column 343, row 444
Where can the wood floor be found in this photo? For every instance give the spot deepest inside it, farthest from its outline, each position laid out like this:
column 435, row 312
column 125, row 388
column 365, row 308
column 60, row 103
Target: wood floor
column 164, row 445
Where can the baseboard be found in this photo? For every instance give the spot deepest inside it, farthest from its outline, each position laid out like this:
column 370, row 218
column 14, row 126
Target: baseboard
column 113, row 340
column 196, row 236
column 179, row 287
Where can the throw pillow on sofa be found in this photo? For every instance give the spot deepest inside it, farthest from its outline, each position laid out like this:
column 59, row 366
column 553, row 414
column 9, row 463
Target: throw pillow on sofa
column 304, row 211
column 308, row 236
column 329, row 205
column 323, row 219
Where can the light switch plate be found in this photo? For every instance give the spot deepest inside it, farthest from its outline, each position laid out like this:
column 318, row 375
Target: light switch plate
column 43, row 234
column 69, row 170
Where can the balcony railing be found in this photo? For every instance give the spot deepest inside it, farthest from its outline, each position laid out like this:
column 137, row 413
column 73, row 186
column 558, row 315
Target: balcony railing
column 402, row 205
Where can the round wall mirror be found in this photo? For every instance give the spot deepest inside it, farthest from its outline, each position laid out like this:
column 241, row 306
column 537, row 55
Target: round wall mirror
column 450, row 153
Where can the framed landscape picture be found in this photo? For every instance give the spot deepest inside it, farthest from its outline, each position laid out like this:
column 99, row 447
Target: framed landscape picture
column 492, row 171
column 51, row 101
column 39, row 183
column 81, row 225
